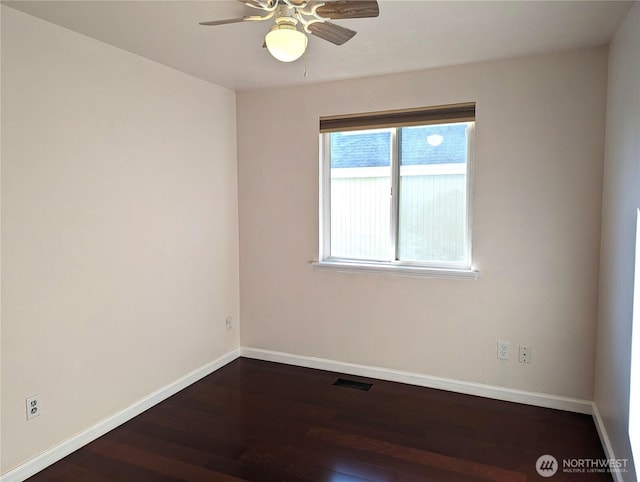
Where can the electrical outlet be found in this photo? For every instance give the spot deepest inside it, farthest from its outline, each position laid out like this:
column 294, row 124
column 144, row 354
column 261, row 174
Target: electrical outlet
column 525, row 354
column 34, row 407
column 228, row 323
column 503, row 350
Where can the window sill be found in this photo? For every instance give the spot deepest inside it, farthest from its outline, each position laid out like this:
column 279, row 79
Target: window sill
column 400, row 270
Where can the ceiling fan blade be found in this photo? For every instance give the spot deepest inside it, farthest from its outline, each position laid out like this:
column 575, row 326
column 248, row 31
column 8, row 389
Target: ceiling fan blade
column 349, row 9
column 223, row 22
column 331, row 32
column 254, row 3
column 249, row 18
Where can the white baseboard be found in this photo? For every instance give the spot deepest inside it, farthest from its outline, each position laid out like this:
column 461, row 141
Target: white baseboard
column 72, row 444
column 469, row 388
column 604, row 439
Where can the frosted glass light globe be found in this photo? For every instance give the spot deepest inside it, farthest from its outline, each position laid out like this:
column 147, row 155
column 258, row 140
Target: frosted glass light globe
column 286, row 43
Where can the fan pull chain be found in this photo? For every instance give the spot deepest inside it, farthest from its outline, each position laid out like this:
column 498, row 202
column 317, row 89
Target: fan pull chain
column 305, row 64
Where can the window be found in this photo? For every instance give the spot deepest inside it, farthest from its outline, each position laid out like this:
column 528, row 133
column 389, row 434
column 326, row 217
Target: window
column 395, row 191
column 634, row 382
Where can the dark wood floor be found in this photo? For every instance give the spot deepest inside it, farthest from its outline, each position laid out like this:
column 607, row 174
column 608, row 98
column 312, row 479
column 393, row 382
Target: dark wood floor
column 262, row 421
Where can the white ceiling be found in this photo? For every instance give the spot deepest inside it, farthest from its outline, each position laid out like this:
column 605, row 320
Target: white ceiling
column 408, row 35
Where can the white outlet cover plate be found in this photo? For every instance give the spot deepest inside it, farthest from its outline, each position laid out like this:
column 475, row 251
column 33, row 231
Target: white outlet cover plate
column 525, row 354
column 33, row 406
column 503, row 350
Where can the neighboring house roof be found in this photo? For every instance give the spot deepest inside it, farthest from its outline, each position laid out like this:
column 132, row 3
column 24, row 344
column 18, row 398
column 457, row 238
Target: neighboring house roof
column 372, row 149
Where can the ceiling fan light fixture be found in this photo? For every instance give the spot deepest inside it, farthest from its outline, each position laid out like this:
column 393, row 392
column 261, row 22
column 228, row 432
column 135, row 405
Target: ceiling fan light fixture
column 285, row 42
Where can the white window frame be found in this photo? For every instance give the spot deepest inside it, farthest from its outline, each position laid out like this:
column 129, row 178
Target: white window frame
column 451, row 270
column 634, row 375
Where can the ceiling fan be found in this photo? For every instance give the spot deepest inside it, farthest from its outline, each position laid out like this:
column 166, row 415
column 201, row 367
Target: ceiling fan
column 287, row 39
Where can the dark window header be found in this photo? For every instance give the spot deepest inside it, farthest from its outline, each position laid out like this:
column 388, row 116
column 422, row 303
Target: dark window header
column 400, row 118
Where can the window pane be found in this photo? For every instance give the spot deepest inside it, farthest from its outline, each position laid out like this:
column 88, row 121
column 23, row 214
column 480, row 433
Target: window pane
column 360, row 194
column 432, row 204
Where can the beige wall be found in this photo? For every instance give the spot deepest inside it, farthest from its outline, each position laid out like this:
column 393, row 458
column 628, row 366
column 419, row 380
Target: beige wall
column 621, row 199
column 536, row 228
column 119, row 230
